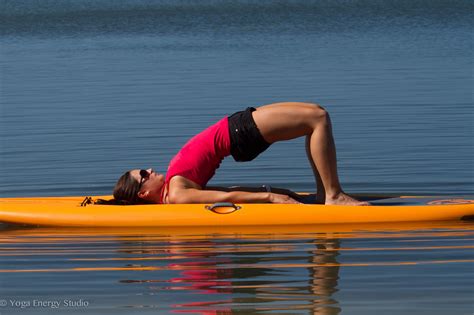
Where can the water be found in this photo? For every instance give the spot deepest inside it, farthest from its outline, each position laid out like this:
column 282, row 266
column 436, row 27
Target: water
column 367, row 269
column 90, row 89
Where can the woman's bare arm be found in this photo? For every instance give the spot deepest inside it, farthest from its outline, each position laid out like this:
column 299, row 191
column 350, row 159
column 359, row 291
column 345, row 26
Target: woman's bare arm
column 193, row 195
column 182, row 190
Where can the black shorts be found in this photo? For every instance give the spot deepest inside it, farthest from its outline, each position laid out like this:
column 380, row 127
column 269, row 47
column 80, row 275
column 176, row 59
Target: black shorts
column 246, row 141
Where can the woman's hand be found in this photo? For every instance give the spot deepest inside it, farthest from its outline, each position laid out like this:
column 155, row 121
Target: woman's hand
column 277, row 198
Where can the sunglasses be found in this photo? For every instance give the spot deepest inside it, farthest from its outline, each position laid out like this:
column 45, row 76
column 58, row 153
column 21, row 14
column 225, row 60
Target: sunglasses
column 143, row 176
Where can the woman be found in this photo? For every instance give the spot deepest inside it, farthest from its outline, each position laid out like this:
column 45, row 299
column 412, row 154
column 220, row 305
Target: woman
column 244, row 135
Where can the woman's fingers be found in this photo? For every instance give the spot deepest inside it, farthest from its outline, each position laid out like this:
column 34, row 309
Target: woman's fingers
column 277, row 198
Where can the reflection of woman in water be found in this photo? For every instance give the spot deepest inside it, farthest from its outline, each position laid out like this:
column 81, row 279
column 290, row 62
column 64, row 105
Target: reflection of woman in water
column 208, row 273
column 244, row 135
column 324, row 276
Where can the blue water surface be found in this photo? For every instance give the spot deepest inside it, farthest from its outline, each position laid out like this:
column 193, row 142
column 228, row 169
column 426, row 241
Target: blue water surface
column 89, row 89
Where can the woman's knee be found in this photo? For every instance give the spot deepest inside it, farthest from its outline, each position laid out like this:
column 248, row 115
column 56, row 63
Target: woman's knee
column 317, row 114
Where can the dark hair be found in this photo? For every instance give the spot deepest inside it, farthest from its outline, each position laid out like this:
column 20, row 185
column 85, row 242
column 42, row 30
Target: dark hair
column 127, row 188
column 125, row 192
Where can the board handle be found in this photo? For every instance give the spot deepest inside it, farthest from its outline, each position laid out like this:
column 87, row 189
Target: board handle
column 223, row 207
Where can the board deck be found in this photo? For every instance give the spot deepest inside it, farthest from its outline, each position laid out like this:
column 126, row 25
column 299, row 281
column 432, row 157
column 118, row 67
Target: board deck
column 73, row 211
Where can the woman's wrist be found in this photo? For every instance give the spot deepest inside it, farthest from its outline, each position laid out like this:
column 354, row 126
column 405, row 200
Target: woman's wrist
column 269, row 197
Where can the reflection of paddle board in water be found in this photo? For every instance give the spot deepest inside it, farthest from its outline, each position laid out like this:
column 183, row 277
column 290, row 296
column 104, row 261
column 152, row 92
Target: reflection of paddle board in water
column 80, row 211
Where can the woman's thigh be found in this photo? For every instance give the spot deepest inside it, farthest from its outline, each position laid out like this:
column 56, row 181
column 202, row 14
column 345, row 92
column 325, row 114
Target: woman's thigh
column 285, row 121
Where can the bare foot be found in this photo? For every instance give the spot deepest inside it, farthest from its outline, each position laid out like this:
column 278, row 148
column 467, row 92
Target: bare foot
column 343, row 199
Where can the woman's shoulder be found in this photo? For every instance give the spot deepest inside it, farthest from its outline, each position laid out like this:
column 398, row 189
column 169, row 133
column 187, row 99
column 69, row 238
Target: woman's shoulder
column 177, row 187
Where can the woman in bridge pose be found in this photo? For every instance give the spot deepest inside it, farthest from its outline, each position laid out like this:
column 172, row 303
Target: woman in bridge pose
column 244, row 135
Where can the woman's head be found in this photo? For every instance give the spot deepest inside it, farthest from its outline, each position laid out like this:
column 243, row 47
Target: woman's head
column 139, row 186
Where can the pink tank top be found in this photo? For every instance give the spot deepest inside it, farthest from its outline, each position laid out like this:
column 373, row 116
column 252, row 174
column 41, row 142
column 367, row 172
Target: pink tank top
column 199, row 158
